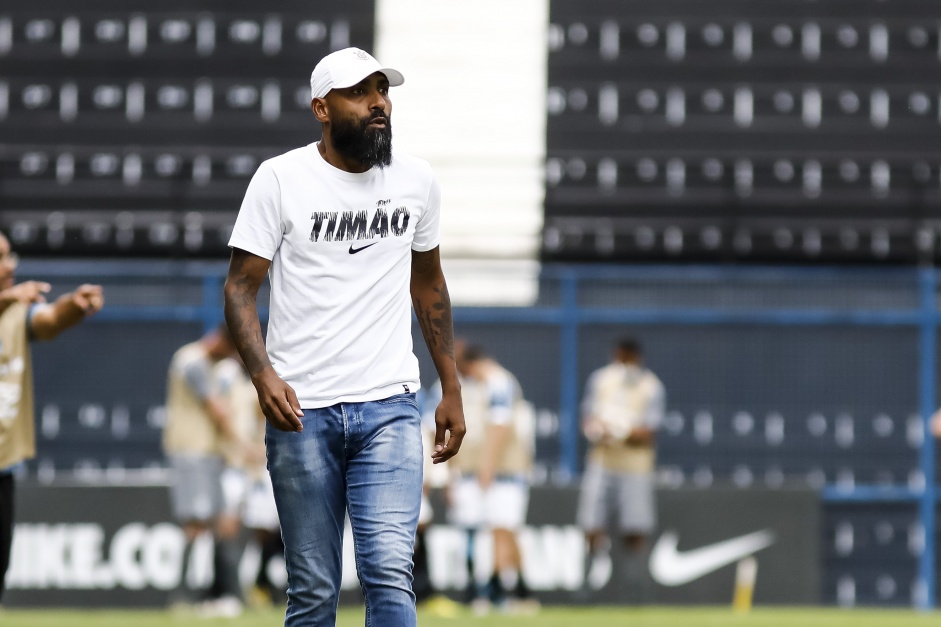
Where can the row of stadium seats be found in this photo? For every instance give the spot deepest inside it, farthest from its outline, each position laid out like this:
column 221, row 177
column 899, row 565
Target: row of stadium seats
column 55, row 106
column 141, row 32
column 786, row 106
column 869, row 553
column 790, row 177
column 156, row 232
column 119, row 169
column 772, row 429
column 783, row 238
column 875, row 533
column 122, row 233
column 828, row 184
column 697, row 431
column 580, row 107
column 758, row 37
column 737, row 447
column 114, row 461
column 871, row 584
column 780, row 475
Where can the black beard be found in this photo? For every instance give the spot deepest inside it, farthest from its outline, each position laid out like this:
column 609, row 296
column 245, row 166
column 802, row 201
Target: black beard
column 355, row 140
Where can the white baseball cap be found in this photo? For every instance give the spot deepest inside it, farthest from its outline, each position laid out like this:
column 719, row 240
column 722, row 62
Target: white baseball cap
column 345, row 68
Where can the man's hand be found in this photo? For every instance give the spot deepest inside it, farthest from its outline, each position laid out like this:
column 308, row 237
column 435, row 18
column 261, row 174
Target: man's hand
column 27, row 292
column 279, row 402
column 89, row 298
column 449, row 427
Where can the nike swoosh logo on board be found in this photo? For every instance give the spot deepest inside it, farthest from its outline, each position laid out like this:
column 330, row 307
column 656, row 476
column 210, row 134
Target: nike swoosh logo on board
column 670, row 567
column 353, row 251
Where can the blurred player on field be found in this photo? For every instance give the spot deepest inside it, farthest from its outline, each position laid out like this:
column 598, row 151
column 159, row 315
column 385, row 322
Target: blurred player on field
column 249, row 492
column 24, row 317
column 434, row 476
column 491, row 491
column 198, row 431
column 622, row 410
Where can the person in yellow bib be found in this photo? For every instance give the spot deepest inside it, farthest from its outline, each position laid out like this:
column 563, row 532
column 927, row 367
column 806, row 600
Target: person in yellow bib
column 25, row 316
column 491, row 488
column 198, row 432
column 622, row 410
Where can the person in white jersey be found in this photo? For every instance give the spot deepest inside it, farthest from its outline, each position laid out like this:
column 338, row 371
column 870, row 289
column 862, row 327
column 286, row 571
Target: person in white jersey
column 622, row 410
column 491, row 489
column 197, row 434
column 347, row 231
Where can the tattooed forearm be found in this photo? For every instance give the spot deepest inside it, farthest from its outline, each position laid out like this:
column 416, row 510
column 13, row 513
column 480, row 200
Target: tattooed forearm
column 241, row 315
column 241, row 311
column 433, row 309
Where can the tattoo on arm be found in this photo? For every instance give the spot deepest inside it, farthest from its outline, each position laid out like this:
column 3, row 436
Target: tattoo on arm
column 241, row 314
column 432, row 303
column 434, row 318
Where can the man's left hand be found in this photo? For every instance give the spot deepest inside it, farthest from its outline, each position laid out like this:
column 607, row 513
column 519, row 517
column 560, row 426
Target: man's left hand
column 449, row 427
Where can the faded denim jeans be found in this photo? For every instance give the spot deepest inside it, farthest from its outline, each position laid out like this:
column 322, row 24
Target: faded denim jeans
column 365, row 458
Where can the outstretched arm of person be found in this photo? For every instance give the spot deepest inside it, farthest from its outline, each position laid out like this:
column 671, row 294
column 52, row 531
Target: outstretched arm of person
column 433, row 308
column 49, row 320
column 278, row 400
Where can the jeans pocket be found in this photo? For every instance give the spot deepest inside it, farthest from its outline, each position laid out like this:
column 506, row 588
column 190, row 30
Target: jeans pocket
column 408, row 398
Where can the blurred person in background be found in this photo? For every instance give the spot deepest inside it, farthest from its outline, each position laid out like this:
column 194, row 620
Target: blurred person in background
column 621, row 412
column 349, row 231
column 25, row 316
column 434, row 477
column 199, row 430
column 491, row 489
column 248, row 485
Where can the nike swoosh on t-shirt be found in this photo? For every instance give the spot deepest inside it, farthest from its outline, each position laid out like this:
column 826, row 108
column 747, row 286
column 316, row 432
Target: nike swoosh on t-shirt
column 353, row 251
column 670, row 567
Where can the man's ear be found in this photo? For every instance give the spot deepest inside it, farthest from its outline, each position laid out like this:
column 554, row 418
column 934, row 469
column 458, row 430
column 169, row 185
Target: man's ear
column 320, row 109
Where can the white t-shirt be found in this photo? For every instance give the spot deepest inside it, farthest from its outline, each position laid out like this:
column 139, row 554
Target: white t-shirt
column 340, row 246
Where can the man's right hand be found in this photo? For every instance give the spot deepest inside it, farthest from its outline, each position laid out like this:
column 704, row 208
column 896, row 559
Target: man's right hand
column 278, row 401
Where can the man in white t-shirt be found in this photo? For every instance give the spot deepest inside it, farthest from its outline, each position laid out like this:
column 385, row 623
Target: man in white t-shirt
column 347, row 232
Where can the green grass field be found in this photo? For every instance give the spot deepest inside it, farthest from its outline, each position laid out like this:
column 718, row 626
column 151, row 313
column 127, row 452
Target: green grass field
column 548, row 617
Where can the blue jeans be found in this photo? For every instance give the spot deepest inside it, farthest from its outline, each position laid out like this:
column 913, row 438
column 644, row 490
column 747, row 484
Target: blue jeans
column 361, row 457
